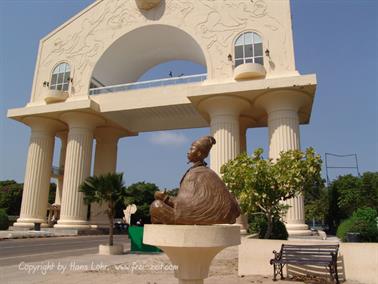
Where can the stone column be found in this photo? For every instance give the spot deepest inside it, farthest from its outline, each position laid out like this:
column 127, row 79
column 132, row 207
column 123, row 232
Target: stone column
column 77, row 167
column 242, row 220
column 62, row 159
column 224, row 115
column 105, row 162
column 224, row 112
column 283, row 122
column 38, row 171
column 243, row 139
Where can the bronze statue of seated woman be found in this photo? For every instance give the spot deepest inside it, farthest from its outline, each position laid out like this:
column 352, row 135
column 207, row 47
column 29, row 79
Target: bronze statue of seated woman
column 202, row 199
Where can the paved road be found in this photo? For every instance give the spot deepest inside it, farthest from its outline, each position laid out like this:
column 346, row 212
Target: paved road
column 13, row 251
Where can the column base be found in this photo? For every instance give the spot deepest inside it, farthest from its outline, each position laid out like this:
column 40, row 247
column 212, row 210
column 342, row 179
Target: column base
column 23, row 225
column 72, row 224
column 45, row 225
column 28, row 222
column 298, row 230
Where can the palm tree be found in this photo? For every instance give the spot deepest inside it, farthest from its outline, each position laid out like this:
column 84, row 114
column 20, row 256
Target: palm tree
column 107, row 188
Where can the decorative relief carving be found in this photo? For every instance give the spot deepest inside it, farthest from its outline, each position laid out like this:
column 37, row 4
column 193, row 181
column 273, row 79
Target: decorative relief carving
column 224, row 19
column 213, row 22
column 122, row 16
column 179, row 9
column 80, row 47
column 259, row 8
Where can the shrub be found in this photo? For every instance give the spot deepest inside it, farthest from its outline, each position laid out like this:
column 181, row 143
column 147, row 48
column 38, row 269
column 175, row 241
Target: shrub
column 279, row 231
column 364, row 222
column 344, row 228
column 11, row 196
column 254, row 221
column 4, row 221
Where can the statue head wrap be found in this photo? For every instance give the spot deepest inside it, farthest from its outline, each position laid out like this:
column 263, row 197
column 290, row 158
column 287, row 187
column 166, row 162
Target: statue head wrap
column 204, row 144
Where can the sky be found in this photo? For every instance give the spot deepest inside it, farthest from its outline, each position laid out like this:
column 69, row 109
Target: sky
column 335, row 39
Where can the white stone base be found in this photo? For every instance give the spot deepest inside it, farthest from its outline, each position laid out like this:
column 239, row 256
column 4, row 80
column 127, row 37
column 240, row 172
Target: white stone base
column 72, row 224
column 191, row 247
column 28, row 222
column 298, row 230
column 23, row 225
column 110, row 250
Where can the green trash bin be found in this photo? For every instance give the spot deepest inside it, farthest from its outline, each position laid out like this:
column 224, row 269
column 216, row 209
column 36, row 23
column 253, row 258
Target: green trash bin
column 136, row 238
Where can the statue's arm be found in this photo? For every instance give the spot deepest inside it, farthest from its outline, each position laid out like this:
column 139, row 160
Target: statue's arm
column 159, row 195
column 169, row 200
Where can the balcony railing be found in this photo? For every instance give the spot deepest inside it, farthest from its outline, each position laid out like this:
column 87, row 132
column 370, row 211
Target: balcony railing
column 149, row 84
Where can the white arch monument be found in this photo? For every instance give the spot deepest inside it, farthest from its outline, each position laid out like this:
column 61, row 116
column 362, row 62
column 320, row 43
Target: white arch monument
column 85, row 88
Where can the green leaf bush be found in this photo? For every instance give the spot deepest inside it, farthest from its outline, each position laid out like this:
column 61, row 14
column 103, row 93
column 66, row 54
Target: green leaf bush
column 4, row 221
column 261, row 185
column 279, row 231
column 344, row 228
column 364, row 222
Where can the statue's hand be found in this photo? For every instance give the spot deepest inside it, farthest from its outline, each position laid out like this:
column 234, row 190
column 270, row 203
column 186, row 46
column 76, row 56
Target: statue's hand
column 160, row 195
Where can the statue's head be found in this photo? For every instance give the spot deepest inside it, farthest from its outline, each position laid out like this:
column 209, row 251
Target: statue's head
column 200, row 148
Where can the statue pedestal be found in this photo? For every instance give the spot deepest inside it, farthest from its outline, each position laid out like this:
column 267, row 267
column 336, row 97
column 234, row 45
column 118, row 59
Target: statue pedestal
column 191, row 247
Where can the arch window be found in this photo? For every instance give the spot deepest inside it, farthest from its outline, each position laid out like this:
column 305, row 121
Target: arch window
column 60, row 77
column 248, row 49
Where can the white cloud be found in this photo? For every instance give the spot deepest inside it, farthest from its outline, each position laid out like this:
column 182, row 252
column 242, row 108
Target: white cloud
column 168, row 138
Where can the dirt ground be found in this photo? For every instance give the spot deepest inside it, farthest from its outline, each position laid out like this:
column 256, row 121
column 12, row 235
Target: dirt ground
column 130, row 268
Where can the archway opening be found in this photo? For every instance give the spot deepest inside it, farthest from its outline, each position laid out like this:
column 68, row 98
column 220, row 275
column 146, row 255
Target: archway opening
column 128, row 59
column 164, row 150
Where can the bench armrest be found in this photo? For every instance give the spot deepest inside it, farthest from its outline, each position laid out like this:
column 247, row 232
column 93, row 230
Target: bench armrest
column 277, row 256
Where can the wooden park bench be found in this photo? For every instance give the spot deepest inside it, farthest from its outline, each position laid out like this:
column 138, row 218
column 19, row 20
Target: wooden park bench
column 319, row 255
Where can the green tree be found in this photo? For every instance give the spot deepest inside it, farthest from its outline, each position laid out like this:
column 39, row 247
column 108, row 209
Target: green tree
column 4, row 220
column 142, row 195
column 316, row 204
column 107, row 188
column 261, row 184
column 11, row 196
column 348, row 193
column 369, row 189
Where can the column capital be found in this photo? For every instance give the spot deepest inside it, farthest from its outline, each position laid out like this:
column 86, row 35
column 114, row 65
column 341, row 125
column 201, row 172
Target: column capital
column 44, row 124
column 109, row 134
column 82, row 120
column 246, row 122
column 283, row 100
column 62, row 136
column 224, row 105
